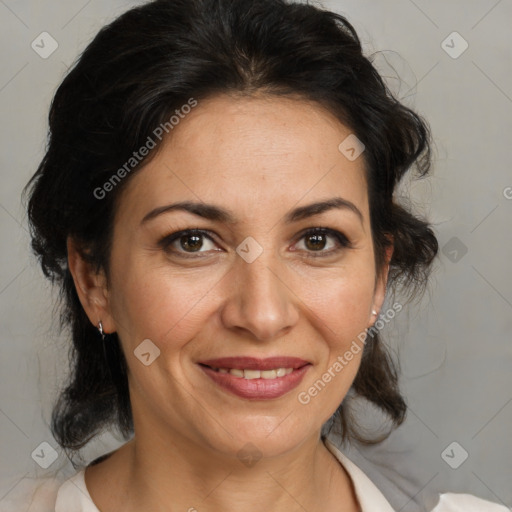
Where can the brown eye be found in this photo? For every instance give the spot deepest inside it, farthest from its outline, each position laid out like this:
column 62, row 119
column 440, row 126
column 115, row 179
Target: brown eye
column 316, row 242
column 191, row 242
column 186, row 242
column 324, row 242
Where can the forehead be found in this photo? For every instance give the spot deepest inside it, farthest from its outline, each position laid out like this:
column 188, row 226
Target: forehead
column 263, row 151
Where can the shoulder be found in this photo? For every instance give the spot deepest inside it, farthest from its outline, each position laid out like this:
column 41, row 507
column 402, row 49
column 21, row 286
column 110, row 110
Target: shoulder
column 25, row 494
column 451, row 502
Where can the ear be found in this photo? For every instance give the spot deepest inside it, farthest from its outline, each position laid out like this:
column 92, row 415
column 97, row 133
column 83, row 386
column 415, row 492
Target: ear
column 381, row 283
column 91, row 287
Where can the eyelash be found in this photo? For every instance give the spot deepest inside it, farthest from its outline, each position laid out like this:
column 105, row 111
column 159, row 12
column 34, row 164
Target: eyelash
column 342, row 240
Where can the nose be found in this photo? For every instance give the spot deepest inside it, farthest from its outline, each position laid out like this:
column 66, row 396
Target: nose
column 262, row 303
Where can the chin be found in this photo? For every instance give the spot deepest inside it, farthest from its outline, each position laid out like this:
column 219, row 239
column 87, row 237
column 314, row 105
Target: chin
column 268, row 436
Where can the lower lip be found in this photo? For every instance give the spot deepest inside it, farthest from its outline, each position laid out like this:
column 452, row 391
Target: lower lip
column 257, row 389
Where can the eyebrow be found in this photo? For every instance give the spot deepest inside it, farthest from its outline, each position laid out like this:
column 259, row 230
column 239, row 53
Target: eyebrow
column 216, row 213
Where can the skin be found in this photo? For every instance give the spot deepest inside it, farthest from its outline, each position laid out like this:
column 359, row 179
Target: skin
column 260, row 158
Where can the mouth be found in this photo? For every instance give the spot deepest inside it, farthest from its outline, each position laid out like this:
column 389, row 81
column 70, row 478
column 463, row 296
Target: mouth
column 256, row 379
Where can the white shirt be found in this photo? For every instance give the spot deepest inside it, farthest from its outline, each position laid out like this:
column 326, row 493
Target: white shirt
column 50, row 495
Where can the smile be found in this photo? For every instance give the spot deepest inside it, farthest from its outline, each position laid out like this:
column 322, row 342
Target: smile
column 256, row 379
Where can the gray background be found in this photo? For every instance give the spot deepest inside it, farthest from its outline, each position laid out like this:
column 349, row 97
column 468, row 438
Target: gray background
column 454, row 345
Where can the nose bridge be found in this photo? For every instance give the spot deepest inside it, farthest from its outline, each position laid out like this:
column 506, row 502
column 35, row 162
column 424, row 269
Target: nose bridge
column 261, row 301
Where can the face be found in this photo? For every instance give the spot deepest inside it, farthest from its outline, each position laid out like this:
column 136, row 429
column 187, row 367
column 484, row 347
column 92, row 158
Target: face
column 263, row 274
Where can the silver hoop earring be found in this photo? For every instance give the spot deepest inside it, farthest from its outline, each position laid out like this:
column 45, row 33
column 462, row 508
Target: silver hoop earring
column 100, row 328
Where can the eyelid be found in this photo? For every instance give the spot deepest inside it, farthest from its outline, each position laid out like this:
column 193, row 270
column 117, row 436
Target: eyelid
column 167, row 240
column 326, row 231
column 342, row 241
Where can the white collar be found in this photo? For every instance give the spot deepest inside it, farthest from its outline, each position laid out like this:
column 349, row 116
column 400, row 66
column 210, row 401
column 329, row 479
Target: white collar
column 369, row 497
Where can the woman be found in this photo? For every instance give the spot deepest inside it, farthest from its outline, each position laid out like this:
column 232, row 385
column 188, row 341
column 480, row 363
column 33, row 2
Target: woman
column 216, row 204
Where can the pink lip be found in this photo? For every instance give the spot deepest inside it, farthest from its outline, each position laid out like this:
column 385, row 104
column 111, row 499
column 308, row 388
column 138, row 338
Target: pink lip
column 256, row 389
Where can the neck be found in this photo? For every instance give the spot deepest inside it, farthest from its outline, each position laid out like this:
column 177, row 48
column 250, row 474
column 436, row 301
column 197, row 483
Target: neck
column 162, row 474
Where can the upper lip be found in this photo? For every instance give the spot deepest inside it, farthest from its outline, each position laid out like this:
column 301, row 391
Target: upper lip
column 254, row 363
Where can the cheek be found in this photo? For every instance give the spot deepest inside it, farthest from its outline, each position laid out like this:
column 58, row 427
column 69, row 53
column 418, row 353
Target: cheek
column 341, row 300
column 342, row 315
column 351, row 302
column 156, row 303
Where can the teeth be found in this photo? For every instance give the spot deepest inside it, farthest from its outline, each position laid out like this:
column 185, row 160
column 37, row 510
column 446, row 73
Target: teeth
column 252, row 374
column 256, row 374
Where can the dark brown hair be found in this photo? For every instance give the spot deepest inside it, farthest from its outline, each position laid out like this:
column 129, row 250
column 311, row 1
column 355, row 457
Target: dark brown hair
column 130, row 79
